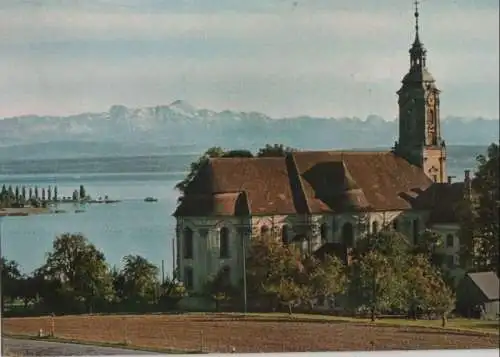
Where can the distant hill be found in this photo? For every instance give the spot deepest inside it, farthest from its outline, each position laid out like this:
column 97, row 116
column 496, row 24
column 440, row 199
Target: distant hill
column 182, row 128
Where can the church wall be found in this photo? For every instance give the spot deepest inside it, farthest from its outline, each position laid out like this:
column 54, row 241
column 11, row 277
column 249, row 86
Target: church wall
column 206, row 260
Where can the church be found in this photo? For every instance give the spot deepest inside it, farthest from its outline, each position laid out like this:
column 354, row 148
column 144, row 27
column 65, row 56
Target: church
column 325, row 200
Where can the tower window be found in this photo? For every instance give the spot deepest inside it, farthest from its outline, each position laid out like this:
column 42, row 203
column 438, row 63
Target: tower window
column 434, row 178
column 375, row 227
column 264, row 230
column 284, row 234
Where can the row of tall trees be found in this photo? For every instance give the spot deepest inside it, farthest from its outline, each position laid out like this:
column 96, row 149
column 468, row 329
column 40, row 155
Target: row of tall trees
column 20, row 195
column 76, row 278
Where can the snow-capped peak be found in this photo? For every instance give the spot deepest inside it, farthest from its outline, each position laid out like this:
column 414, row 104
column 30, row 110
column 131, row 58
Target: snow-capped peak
column 183, row 108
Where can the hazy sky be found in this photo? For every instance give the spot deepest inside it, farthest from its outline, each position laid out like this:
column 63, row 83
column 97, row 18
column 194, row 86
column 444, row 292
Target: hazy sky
column 280, row 57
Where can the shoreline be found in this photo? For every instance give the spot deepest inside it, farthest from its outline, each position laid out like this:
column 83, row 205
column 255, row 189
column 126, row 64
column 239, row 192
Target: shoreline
column 25, row 211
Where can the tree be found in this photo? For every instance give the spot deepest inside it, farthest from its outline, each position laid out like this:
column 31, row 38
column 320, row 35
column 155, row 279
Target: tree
column 75, row 195
column 268, row 263
column 80, row 269
column 325, row 277
column 49, row 194
column 289, row 292
column 374, row 283
column 171, row 292
column 219, row 287
column 10, row 278
column 442, row 299
column 17, row 195
column 82, row 193
column 23, row 193
column 28, row 289
column 43, row 194
column 238, row 153
column 140, row 279
column 55, row 194
column 466, row 214
column 428, row 244
column 11, row 193
column 196, row 166
column 31, row 193
column 275, row 150
column 486, row 186
column 36, row 193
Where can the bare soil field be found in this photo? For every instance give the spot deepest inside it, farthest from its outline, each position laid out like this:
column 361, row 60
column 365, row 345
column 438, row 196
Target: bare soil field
column 222, row 333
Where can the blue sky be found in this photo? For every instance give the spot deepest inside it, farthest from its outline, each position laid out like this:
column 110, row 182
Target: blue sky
column 280, row 57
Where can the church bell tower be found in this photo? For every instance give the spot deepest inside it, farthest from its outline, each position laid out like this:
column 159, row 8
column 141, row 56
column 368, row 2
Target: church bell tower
column 420, row 139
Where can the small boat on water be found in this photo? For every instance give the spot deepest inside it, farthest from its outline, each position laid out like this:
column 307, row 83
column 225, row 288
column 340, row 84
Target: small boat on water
column 150, row 199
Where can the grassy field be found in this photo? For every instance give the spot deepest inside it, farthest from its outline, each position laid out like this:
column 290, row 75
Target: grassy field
column 259, row 332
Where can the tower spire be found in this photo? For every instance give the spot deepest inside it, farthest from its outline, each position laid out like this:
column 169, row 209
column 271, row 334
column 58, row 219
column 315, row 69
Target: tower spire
column 417, row 39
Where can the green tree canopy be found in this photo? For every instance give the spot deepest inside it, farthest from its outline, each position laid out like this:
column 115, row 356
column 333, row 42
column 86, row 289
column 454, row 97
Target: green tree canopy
column 140, row 278
column 275, row 150
column 219, row 287
column 486, row 186
column 10, row 278
column 425, row 289
column 80, row 268
column 271, row 267
column 326, row 277
column 374, row 283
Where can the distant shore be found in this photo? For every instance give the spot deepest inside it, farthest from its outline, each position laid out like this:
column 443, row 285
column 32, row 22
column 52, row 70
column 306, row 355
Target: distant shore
column 25, row 211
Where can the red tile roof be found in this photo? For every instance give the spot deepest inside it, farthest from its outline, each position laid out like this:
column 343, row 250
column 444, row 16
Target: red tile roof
column 306, row 182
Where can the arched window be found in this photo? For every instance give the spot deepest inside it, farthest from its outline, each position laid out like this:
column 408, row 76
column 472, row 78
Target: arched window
column 395, row 225
column 415, row 231
column 284, row 234
column 348, row 234
column 450, row 241
column 188, row 243
column 264, row 230
column 324, row 233
column 374, row 227
column 224, row 242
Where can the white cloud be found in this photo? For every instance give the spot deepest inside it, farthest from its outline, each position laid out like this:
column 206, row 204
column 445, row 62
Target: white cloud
column 330, row 62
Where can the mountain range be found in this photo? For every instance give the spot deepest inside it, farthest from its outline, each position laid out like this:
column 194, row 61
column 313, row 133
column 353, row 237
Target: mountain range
column 182, row 128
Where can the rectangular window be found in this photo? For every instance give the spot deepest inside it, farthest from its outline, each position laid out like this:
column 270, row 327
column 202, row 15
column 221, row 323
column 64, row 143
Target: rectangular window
column 188, row 278
column 188, row 244
column 450, row 261
column 224, row 243
column 450, row 241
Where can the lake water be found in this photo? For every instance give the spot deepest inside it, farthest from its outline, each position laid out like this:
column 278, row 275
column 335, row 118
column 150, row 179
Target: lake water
column 128, row 227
